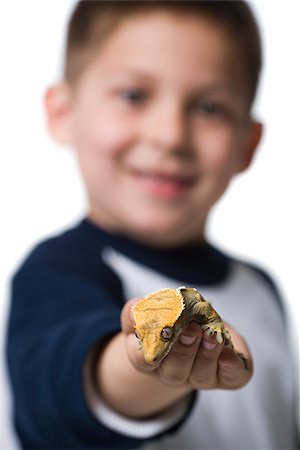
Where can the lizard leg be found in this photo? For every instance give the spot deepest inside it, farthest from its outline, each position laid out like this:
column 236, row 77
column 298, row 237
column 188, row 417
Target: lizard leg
column 211, row 322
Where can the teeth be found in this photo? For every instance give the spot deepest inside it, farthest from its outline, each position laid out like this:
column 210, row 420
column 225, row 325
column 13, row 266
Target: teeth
column 166, row 178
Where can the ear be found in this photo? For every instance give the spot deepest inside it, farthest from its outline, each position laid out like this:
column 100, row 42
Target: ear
column 58, row 109
column 253, row 137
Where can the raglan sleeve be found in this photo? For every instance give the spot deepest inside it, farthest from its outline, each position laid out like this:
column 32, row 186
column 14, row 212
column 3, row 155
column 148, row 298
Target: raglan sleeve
column 56, row 317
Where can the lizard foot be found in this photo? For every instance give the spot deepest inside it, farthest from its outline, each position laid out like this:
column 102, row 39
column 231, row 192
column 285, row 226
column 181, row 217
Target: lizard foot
column 221, row 333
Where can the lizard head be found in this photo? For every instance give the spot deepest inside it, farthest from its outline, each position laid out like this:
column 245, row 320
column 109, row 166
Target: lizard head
column 156, row 322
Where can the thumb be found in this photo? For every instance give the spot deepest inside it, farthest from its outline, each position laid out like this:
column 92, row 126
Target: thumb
column 127, row 320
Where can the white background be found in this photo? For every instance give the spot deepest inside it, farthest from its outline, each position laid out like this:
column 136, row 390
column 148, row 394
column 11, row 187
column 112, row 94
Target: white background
column 41, row 192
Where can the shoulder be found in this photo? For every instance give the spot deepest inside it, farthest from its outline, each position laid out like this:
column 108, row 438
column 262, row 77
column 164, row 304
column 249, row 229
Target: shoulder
column 72, row 256
column 254, row 277
column 66, row 244
column 73, row 245
column 255, row 273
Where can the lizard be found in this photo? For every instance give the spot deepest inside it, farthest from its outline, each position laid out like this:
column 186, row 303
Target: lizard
column 162, row 316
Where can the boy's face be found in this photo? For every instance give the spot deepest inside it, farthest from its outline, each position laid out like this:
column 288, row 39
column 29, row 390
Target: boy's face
column 160, row 124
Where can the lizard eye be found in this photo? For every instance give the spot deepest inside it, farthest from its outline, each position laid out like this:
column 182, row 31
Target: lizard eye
column 167, row 332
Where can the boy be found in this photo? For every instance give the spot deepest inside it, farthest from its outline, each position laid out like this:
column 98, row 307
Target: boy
column 156, row 102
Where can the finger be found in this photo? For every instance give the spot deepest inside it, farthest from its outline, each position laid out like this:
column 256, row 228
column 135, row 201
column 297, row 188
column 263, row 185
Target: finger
column 241, row 348
column 127, row 320
column 205, row 369
column 175, row 369
column 235, row 365
column 136, row 355
column 133, row 346
column 232, row 371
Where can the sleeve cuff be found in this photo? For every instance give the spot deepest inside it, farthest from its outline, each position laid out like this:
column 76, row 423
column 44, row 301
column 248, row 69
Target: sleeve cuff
column 134, row 428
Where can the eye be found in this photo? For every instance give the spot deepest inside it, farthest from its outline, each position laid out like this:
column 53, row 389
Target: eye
column 167, row 333
column 207, row 107
column 133, row 95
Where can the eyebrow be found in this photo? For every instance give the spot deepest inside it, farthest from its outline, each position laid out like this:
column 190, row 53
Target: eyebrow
column 119, row 74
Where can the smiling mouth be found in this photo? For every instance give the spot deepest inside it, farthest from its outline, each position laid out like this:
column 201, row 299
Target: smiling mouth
column 163, row 185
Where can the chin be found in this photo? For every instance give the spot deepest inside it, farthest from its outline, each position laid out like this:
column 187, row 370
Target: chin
column 165, row 234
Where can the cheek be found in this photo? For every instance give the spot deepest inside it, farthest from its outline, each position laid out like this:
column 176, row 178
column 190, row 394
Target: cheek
column 101, row 145
column 218, row 151
column 111, row 138
column 101, row 132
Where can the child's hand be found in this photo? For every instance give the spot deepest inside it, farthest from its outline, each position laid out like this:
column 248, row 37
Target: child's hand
column 196, row 360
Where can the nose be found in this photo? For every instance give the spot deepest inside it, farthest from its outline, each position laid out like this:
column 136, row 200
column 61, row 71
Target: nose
column 166, row 128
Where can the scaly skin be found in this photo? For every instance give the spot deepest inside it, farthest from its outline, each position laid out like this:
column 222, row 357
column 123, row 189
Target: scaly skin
column 161, row 317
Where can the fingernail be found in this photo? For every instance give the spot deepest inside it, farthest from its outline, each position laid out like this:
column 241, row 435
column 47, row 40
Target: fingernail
column 187, row 340
column 208, row 345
